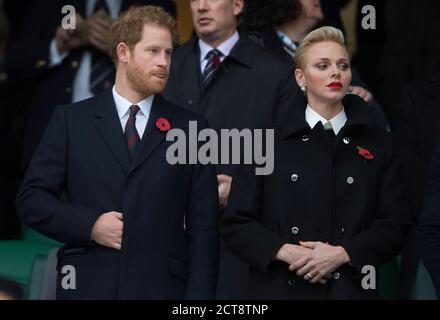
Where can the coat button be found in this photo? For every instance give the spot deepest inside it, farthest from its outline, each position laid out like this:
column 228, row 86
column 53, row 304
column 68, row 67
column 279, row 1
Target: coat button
column 305, row 138
column 350, row 180
column 295, row 230
column 190, row 102
column 294, row 177
column 336, row 275
column 68, row 90
column 291, row 282
column 342, row 230
column 40, row 64
column 74, row 64
column 346, row 140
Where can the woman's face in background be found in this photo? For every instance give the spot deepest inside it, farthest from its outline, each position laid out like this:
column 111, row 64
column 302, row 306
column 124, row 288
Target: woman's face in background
column 326, row 74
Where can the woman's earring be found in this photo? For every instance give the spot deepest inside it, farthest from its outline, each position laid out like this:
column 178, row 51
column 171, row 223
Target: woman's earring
column 303, row 89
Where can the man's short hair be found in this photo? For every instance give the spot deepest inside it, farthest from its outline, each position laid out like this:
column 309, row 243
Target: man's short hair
column 128, row 28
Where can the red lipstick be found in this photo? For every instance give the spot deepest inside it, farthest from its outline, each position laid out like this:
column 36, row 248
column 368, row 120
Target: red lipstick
column 335, row 85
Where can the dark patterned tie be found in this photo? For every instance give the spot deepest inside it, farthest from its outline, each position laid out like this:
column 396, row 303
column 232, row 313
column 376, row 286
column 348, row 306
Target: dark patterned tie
column 102, row 71
column 131, row 134
column 214, row 61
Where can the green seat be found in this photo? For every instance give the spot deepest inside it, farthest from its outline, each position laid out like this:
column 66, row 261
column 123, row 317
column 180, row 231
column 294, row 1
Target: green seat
column 37, row 277
column 32, row 235
column 423, row 288
column 17, row 256
column 389, row 279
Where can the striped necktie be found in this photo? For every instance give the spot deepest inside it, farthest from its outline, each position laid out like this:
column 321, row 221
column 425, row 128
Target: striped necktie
column 214, row 61
column 131, row 134
column 102, row 69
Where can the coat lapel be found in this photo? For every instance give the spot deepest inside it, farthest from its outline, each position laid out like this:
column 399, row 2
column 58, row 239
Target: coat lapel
column 152, row 136
column 242, row 53
column 190, row 82
column 110, row 130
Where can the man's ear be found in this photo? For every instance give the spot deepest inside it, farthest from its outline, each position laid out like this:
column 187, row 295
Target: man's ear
column 238, row 6
column 300, row 78
column 123, row 52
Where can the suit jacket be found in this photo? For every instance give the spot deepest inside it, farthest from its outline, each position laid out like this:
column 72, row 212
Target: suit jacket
column 410, row 52
column 417, row 128
column 29, row 56
column 251, row 89
column 83, row 154
column 429, row 227
column 319, row 192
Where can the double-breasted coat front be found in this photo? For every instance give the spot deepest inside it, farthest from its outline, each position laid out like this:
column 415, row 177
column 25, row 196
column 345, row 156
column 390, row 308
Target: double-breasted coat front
column 319, row 192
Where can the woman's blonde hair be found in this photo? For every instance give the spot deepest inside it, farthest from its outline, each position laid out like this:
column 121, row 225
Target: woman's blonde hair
column 316, row 36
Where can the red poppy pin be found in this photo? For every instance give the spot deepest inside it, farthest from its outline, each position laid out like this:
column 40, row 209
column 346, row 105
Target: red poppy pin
column 163, row 124
column 365, row 153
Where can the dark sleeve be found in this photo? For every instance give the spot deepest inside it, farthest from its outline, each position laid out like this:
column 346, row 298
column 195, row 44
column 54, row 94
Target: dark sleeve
column 201, row 221
column 29, row 51
column 38, row 201
column 377, row 113
column 414, row 166
column 429, row 226
column 241, row 227
column 286, row 93
column 385, row 233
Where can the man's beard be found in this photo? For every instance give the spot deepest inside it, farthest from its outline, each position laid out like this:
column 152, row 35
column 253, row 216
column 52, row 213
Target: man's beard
column 142, row 82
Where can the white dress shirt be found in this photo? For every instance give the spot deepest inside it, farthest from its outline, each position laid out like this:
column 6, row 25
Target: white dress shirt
column 337, row 122
column 225, row 48
column 81, row 82
column 123, row 109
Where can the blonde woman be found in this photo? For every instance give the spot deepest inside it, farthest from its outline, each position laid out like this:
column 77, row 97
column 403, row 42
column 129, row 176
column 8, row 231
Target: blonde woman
column 334, row 205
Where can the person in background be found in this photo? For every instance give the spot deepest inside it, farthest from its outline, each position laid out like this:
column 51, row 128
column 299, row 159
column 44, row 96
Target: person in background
column 65, row 65
column 429, row 225
column 236, row 84
column 279, row 25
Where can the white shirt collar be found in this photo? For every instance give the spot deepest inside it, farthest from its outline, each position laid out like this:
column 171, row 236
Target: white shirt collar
column 225, row 48
column 338, row 121
column 123, row 105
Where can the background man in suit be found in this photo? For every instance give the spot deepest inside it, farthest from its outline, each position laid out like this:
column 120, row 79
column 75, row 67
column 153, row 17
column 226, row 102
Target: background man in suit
column 429, row 227
column 417, row 129
column 66, row 65
column 123, row 236
column 235, row 84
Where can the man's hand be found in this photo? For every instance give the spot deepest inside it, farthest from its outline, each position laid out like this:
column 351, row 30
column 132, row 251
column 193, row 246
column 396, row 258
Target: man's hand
column 69, row 39
column 107, row 230
column 363, row 93
column 323, row 260
column 224, row 187
column 99, row 27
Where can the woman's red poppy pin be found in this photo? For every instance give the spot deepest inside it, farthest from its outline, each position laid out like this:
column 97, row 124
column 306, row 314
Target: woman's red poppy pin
column 365, row 153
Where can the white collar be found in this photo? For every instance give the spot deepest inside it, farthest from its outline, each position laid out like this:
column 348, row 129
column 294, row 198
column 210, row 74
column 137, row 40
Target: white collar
column 338, row 121
column 225, row 48
column 123, row 105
